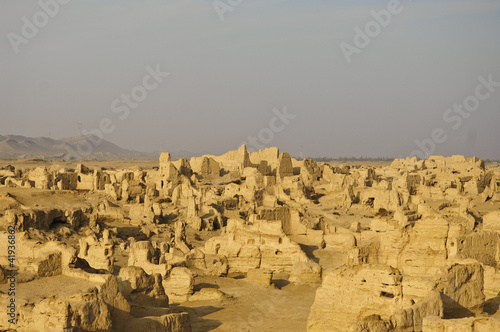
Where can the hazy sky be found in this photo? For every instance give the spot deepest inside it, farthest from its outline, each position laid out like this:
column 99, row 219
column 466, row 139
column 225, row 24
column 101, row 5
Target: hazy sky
column 227, row 76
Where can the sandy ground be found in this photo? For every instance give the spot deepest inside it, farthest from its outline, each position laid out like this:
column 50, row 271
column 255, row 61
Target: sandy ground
column 253, row 308
column 42, row 288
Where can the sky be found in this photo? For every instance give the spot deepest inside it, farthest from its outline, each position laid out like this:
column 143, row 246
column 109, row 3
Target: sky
column 315, row 78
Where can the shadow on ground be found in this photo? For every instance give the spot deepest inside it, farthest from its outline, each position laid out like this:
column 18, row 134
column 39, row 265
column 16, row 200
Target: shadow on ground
column 198, row 323
column 491, row 305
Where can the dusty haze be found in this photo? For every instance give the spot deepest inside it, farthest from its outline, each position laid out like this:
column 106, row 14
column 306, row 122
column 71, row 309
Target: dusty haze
column 227, row 76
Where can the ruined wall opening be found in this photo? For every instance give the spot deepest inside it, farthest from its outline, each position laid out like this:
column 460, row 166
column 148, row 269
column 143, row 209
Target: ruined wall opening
column 370, row 201
column 388, row 295
column 59, row 222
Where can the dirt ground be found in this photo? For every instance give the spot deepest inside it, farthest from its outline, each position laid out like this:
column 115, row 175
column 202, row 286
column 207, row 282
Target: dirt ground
column 253, row 308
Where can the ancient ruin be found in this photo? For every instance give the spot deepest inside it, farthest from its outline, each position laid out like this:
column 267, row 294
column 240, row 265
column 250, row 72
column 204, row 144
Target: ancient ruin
column 251, row 241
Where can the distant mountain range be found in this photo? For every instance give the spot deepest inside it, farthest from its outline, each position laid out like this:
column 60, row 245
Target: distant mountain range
column 81, row 147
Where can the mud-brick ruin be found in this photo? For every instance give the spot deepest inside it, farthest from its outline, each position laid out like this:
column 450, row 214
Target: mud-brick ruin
column 253, row 242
